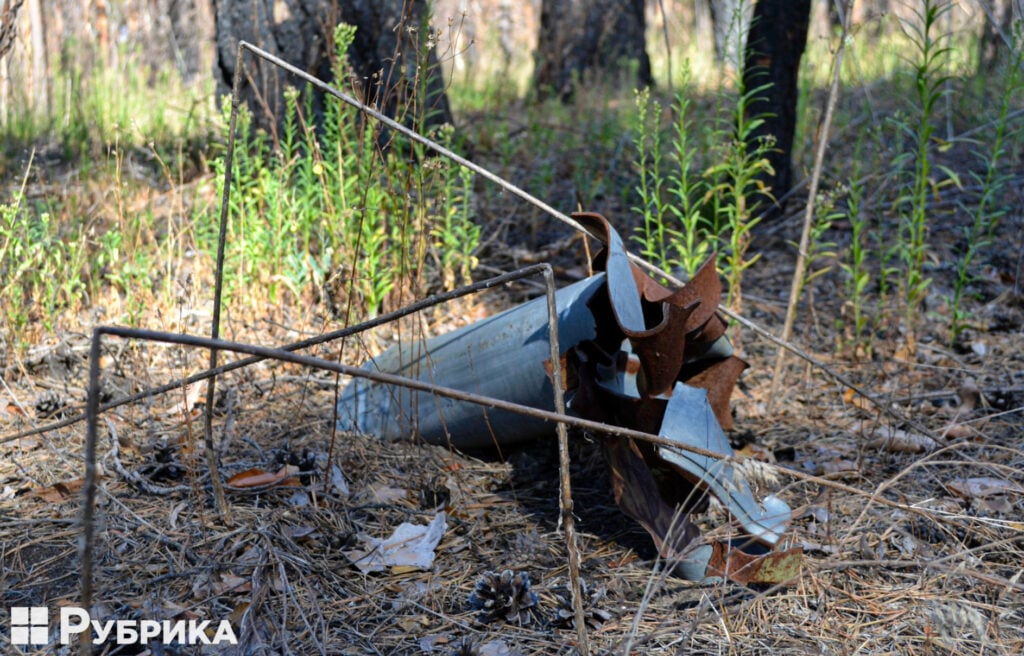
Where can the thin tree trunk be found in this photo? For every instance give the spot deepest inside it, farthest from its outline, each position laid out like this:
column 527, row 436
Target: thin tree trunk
column 775, row 45
column 589, row 37
column 388, row 57
column 40, row 80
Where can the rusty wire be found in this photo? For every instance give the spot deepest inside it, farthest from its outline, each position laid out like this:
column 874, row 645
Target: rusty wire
column 264, row 352
column 323, row 338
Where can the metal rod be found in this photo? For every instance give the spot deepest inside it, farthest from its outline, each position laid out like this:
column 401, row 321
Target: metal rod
column 564, row 218
column 263, row 353
column 412, row 308
column 218, row 291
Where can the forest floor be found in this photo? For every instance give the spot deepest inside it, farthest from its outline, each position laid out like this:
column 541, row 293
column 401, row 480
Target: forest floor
column 925, row 558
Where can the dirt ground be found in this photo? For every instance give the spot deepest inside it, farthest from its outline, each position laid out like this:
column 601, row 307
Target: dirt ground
column 924, row 558
column 911, row 544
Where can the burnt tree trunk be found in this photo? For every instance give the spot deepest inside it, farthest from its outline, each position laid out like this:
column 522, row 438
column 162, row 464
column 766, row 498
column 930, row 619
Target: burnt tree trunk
column 583, row 37
column 996, row 31
column 385, row 58
column 775, row 44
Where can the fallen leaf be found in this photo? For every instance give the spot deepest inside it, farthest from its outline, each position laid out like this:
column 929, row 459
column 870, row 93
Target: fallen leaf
column 257, row 478
column 856, row 400
column 59, row 491
column 430, row 643
column 193, row 393
column 410, row 546
column 969, row 395
column 982, row 487
column 338, row 483
column 957, row 432
column 756, row 452
column 897, row 440
column 998, row 504
column 383, row 493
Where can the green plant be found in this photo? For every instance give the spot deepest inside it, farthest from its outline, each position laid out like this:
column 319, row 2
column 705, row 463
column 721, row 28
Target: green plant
column 986, row 214
column 344, row 213
column 684, row 217
column 654, row 234
column 858, row 274
column 734, row 179
column 821, row 252
column 693, row 245
column 930, row 85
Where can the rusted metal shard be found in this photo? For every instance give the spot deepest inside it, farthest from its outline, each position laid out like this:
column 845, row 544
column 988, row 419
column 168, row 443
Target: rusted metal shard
column 738, row 565
column 635, row 354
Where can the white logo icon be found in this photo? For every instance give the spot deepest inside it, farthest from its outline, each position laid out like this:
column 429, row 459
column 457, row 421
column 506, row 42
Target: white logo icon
column 30, row 625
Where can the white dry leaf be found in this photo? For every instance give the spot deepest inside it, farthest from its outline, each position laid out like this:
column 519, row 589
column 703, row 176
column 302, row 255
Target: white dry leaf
column 497, row 648
column 384, row 493
column 410, row 546
column 896, row 440
column 338, row 483
column 185, row 404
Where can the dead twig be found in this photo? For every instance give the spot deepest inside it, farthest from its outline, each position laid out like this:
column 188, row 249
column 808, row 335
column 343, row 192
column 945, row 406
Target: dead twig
column 805, row 236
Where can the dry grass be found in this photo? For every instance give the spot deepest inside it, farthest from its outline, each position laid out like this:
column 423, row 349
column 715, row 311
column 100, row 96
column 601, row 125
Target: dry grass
column 904, row 566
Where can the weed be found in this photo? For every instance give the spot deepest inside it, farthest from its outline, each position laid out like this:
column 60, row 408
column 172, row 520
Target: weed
column 930, row 80
column 986, row 214
column 693, row 245
column 732, row 181
column 858, row 274
column 334, row 213
column 674, row 233
column 654, row 235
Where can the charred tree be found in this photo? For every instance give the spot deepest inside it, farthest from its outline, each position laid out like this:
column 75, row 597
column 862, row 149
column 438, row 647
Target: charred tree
column 387, row 58
column 589, row 37
column 775, row 45
column 996, row 35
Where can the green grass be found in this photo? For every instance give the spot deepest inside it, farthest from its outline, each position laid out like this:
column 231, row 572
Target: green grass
column 330, row 223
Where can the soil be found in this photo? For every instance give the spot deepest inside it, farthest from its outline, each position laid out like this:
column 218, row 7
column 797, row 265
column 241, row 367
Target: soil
column 913, row 541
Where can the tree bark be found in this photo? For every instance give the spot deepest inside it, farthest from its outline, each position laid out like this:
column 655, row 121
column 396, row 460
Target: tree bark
column 582, row 37
column 387, row 58
column 729, row 19
column 996, row 29
column 775, row 45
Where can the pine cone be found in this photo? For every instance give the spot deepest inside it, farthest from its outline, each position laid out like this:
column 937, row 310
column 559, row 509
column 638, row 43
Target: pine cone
column 565, row 616
column 51, row 405
column 505, row 596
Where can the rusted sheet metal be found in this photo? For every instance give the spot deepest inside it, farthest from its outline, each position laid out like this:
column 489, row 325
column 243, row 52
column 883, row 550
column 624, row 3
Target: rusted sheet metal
column 635, row 354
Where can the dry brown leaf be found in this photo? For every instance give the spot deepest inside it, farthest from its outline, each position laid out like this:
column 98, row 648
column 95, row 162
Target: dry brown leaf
column 252, row 478
column 840, row 468
column 856, row 400
column 756, row 452
column 193, row 393
column 957, row 432
column 59, row 492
